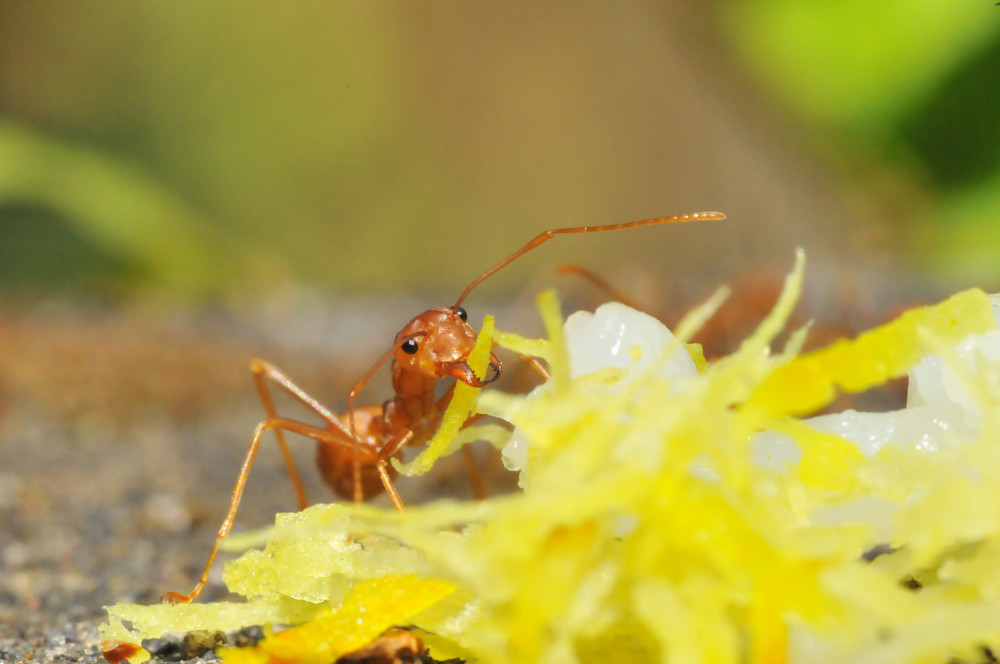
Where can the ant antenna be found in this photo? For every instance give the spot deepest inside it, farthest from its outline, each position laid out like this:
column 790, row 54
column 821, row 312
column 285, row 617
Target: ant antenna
column 549, row 234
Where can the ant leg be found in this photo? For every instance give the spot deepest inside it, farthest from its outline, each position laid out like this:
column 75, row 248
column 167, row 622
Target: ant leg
column 475, row 477
column 537, row 366
column 264, row 371
column 384, row 454
column 227, row 523
column 389, row 486
column 322, row 435
column 601, row 284
column 274, row 424
column 259, row 370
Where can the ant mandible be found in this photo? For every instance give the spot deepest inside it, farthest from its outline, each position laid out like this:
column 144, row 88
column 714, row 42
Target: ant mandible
column 353, row 456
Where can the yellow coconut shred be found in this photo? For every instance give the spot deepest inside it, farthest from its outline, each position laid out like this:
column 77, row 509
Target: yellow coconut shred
column 646, row 531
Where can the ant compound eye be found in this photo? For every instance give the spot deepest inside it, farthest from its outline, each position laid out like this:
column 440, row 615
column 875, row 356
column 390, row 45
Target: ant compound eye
column 409, row 346
column 462, row 314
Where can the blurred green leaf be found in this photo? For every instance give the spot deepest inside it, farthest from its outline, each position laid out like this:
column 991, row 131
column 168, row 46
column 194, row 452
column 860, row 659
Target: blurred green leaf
column 857, row 63
column 960, row 238
column 131, row 217
column 957, row 132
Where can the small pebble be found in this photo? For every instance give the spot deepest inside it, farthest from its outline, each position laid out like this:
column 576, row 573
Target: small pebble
column 164, row 649
column 248, row 636
column 199, row 642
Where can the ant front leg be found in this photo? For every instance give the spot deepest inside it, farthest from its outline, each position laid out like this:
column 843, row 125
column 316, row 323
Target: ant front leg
column 274, row 424
column 264, row 371
column 398, row 442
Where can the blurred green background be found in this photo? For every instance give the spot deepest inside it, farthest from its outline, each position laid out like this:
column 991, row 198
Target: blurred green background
column 194, row 150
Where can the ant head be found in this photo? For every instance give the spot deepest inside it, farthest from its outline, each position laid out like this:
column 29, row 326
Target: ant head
column 437, row 344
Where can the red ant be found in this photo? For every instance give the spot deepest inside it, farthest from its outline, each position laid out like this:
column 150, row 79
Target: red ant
column 354, row 455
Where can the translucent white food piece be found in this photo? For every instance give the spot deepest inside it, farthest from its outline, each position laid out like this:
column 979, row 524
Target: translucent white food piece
column 515, row 453
column 615, row 336
column 940, row 409
column 933, row 383
column 620, row 337
column 923, row 427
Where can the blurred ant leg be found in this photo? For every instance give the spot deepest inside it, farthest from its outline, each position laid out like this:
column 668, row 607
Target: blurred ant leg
column 275, row 424
column 475, row 477
column 601, row 284
column 538, row 367
column 263, row 371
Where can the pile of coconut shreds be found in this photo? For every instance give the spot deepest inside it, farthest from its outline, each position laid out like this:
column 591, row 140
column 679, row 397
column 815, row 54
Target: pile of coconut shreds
column 670, row 510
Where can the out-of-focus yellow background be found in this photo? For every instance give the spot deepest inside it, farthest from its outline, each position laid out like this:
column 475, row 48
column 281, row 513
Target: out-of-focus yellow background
column 201, row 150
